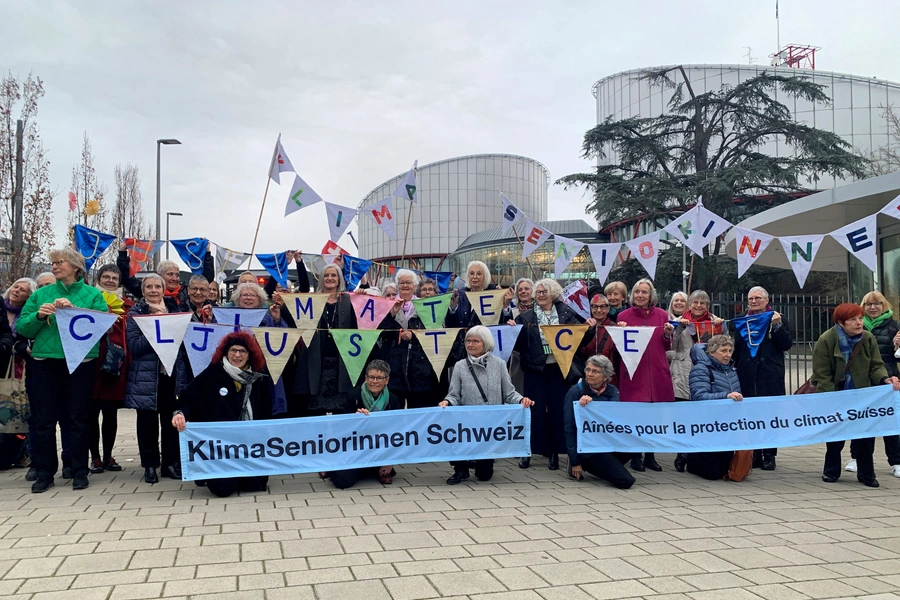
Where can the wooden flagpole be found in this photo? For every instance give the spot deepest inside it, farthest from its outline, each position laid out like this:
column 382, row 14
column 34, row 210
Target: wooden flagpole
column 263, row 207
column 406, row 235
column 528, row 260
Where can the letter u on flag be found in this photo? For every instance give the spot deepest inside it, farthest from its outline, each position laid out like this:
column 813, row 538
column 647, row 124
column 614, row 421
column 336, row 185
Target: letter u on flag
column 487, row 305
column 564, row 341
column 370, row 310
column 631, row 342
column 306, row 309
column 91, row 244
column 165, row 334
column 753, row 329
column 80, row 330
column 432, row 311
column 277, row 344
column 354, row 347
column 437, row 344
column 192, row 251
column 200, row 343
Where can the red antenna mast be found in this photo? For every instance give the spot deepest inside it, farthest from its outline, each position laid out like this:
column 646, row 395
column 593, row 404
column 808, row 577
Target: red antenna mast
column 795, row 56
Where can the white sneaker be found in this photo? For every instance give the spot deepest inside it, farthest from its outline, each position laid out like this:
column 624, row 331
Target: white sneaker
column 851, row 466
column 895, row 470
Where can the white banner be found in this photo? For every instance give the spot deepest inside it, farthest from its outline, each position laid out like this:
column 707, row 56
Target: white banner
column 631, row 342
column 533, row 237
column 646, row 250
column 339, row 219
column 801, row 252
column 603, row 255
column 165, row 334
column 892, row 209
column 566, row 250
column 407, row 187
column 511, row 213
column 749, row 244
column 859, row 239
column 301, row 196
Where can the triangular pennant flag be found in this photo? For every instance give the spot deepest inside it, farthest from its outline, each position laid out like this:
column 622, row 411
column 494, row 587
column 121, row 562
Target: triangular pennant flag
column 750, row 245
column 710, row 224
column 753, row 329
column 80, row 330
column 437, row 343
column 306, row 309
column 307, row 335
column 91, row 244
column 301, row 196
column 564, row 341
column 533, row 237
column 200, row 343
column 407, row 187
column 276, row 265
column 354, row 269
column 683, row 226
column 165, row 334
column 892, row 208
column 140, row 252
column 238, row 318
column 277, row 345
column 442, row 278
column 228, row 260
column 339, row 219
column 192, row 251
column 646, row 250
column 354, row 347
column 504, row 339
column 604, row 256
column 487, row 305
column 697, row 228
column 702, row 330
column 631, row 342
column 859, row 239
column 575, row 296
column 383, row 215
column 370, row 310
column 432, row 311
column 280, row 162
column 566, row 250
column 801, row 252
column 510, row 212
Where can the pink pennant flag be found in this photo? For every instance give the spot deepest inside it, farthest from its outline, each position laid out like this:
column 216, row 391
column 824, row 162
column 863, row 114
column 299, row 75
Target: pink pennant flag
column 370, row 310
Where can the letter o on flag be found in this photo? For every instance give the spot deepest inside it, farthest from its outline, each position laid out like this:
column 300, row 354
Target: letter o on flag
column 646, row 249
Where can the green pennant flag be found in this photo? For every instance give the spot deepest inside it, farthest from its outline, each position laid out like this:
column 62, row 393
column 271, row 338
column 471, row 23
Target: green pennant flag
column 354, row 346
column 432, row 311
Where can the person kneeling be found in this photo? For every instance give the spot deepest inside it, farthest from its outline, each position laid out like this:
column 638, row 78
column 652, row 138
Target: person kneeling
column 595, row 387
column 371, row 396
column 229, row 389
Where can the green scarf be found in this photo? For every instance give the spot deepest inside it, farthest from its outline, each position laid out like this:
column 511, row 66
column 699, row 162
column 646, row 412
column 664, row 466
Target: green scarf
column 871, row 324
column 372, row 403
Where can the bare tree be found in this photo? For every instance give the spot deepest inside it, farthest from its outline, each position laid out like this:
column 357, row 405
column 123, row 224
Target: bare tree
column 90, row 194
column 886, row 159
column 128, row 218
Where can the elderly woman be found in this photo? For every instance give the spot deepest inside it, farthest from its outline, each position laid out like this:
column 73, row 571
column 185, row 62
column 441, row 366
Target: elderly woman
column 58, row 394
column 597, row 340
column 390, row 291
column 176, row 294
column 14, row 299
column 251, row 295
column 544, row 381
column 428, row 288
column 229, row 389
column 847, row 357
column 44, row 279
column 677, row 305
column 478, row 279
column 596, row 386
column 483, row 380
column 651, row 382
column 616, row 293
column 213, row 295
column 524, row 301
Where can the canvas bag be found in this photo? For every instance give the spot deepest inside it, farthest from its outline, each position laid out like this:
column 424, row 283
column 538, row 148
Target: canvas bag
column 14, row 408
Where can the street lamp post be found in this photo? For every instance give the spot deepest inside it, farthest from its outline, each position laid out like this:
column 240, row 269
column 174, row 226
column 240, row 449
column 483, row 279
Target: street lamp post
column 167, row 142
column 169, row 214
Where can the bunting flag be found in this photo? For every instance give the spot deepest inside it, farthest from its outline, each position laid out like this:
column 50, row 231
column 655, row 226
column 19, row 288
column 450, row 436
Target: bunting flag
column 487, row 305
column 200, row 343
column 564, row 341
column 533, row 237
column 80, row 330
column 276, row 265
column 511, row 213
column 892, row 208
column 604, row 256
column 354, row 269
column 354, row 347
column 370, row 310
column 749, row 245
column 140, row 252
column 646, row 250
column 192, row 251
column 301, row 196
column 703, row 330
column 165, row 334
column 801, row 252
column 407, row 187
column 228, row 260
column 91, row 244
column 383, row 215
column 442, row 278
column 859, row 239
column 280, row 162
column 437, row 343
column 566, row 250
column 306, row 309
column 631, row 342
column 697, row 228
column 505, row 337
column 239, row 318
column 277, row 344
column 753, row 328
column 432, row 311
column 576, row 298
column 339, row 219
column 307, row 335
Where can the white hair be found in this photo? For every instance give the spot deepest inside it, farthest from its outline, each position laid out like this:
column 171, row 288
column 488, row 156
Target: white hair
column 166, row 265
column 484, row 269
column 551, row 287
column 760, row 289
column 406, row 273
column 484, row 334
column 32, row 285
column 261, row 293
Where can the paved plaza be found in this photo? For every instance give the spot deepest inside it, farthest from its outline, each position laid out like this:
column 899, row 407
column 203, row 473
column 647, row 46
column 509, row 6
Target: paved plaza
column 526, row 534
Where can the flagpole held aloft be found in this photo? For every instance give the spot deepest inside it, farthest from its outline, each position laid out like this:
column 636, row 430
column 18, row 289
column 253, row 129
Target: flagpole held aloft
column 263, row 207
column 406, row 235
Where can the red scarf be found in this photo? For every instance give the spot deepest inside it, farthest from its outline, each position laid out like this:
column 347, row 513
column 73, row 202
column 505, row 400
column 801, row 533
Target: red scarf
column 173, row 294
column 690, row 316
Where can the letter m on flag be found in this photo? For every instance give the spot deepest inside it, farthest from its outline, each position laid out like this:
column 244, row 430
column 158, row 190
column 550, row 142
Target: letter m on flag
column 383, row 214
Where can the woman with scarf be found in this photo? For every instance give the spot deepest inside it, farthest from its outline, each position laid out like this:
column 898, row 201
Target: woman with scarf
column 14, row 298
column 616, row 293
column 176, row 294
column 524, row 300
column 231, row 388
column 597, row 340
column 847, row 357
column 651, row 382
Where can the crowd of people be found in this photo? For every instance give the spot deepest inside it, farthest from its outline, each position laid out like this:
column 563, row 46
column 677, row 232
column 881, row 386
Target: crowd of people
column 692, row 355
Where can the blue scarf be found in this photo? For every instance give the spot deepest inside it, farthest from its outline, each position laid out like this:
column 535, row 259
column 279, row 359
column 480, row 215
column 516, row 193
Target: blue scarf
column 847, row 344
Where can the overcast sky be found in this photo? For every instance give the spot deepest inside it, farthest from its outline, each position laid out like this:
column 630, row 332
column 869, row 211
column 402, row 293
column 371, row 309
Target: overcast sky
column 359, row 90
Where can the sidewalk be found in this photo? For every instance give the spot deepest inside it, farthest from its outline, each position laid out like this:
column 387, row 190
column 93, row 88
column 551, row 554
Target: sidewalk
column 529, row 534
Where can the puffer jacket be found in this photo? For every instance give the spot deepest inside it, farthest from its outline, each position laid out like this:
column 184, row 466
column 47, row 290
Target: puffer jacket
column 884, row 335
column 680, row 363
column 143, row 375
column 710, row 379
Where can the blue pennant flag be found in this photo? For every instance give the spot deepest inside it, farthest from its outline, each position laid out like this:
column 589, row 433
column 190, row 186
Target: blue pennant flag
column 442, row 278
column 753, row 329
column 354, row 269
column 91, row 244
column 504, row 339
column 192, row 251
column 239, row 317
column 276, row 265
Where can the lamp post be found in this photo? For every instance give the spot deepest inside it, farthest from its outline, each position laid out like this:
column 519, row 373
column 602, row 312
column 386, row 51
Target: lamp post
column 169, row 214
column 167, row 142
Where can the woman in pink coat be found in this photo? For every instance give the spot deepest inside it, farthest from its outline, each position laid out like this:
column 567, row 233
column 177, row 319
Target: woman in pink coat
column 652, row 381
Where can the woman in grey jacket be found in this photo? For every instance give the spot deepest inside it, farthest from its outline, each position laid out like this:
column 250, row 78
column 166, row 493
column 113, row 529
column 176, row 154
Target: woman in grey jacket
column 482, row 379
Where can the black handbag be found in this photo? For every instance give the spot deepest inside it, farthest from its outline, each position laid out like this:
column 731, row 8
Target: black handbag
column 113, row 359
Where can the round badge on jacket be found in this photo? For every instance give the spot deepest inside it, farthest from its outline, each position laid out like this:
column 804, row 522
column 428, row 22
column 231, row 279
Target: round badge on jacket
column 223, row 392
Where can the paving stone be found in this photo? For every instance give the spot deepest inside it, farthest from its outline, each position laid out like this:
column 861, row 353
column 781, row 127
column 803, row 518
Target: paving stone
column 568, row 573
column 415, row 587
column 201, row 586
column 371, row 590
column 473, row 582
column 137, row 591
column 97, row 593
column 617, row 589
column 46, row 584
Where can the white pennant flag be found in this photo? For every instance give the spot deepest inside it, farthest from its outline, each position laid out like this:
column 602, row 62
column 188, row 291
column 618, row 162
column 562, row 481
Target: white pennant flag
column 228, row 260
column 646, row 250
column 280, row 163
column 697, row 228
column 631, row 342
column 566, row 250
column 575, row 296
column 511, row 213
column 533, row 237
column 892, row 208
column 80, row 330
column 165, row 334
column 383, row 215
column 859, row 239
column 505, row 337
column 604, row 256
column 339, row 219
column 801, row 251
column 200, row 343
column 301, row 196
column 749, row 245
column 407, row 187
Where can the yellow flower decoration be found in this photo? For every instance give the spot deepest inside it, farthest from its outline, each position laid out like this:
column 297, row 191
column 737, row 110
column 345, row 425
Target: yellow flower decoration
column 116, row 305
column 92, row 207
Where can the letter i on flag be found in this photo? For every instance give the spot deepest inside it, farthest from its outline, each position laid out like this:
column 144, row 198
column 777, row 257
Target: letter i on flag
column 339, row 219
column 280, row 162
column 301, row 196
column 603, row 255
column 80, row 330
column 407, row 187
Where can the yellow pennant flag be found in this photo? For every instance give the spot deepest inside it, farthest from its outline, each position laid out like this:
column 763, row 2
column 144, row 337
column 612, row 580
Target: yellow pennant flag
column 564, row 341
column 277, row 344
column 487, row 305
column 307, row 335
column 305, row 308
column 437, row 344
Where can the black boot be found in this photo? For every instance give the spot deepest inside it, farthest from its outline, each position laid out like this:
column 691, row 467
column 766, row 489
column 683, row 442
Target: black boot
column 650, row 462
column 150, row 475
column 680, row 462
column 637, row 464
column 553, row 464
column 768, row 462
column 458, row 476
column 524, row 462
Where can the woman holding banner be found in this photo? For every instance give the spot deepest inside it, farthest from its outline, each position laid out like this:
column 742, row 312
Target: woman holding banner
column 176, row 294
column 478, row 279
column 597, row 340
column 616, row 293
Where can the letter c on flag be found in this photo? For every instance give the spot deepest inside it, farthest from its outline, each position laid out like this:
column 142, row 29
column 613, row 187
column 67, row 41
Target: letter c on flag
column 74, row 335
column 558, row 344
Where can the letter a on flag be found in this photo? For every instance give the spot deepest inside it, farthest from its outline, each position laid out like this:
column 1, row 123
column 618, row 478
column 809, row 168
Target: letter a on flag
column 80, row 330
column 370, row 310
column 407, row 187
column 277, row 345
column 301, row 196
column 437, row 343
column 646, row 250
column 750, row 244
column 354, row 346
column 564, row 341
column 631, row 342
column 280, row 162
column 200, row 343
column 383, row 215
column 165, row 334
column 339, row 219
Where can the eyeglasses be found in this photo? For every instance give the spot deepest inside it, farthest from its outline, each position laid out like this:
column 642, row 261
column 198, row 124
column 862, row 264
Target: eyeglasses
column 599, row 305
column 590, row 371
column 375, row 377
column 756, row 299
column 474, row 341
column 237, row 351
column 540, row 292
column 195, row 290
column 404, row 283
column 57, row 263
column 872, row 304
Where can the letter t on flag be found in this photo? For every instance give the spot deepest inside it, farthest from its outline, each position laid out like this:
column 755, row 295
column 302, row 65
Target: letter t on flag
column 339, row 219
